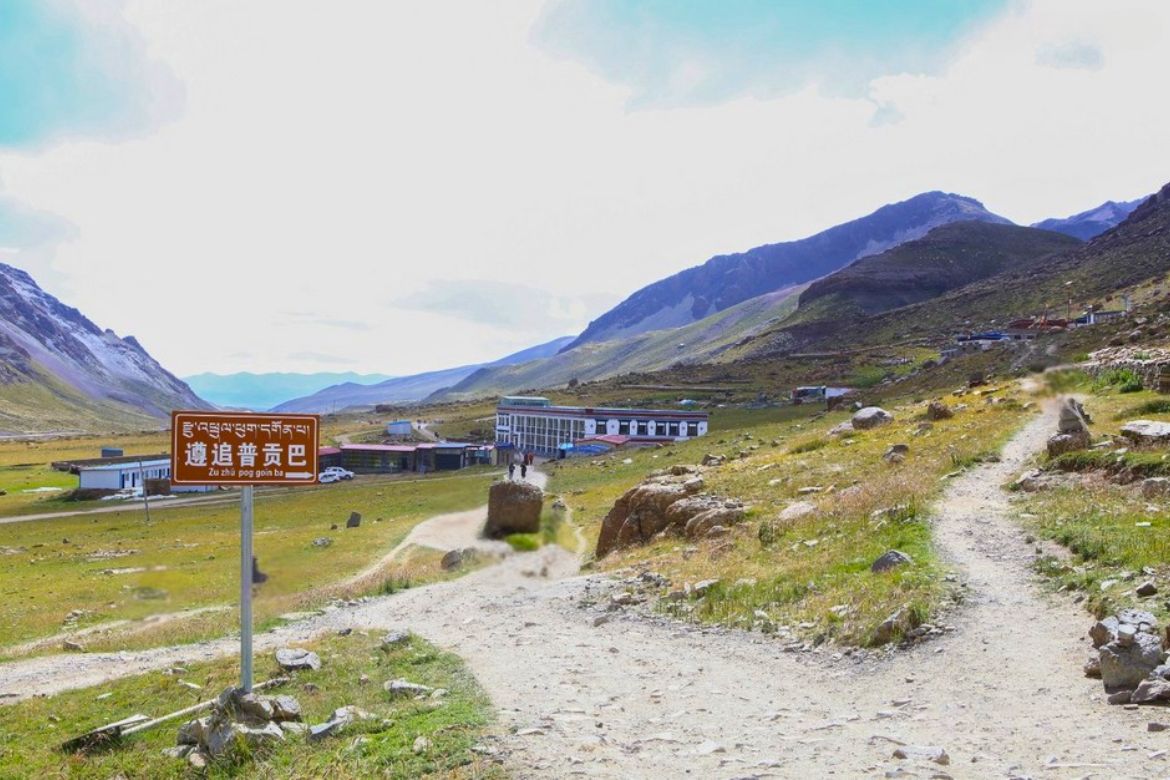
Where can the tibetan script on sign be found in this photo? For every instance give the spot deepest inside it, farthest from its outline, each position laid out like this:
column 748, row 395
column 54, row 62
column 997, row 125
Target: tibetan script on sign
column 220, row 448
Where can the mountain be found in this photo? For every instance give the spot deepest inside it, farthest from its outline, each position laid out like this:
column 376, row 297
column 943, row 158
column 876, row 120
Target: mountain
column 726, row 280
column 946, row 258
column 246, row 390
column 1134, row 253
column 698, row 342
column 1093, row 222
column 59, row 371
column 406, row 388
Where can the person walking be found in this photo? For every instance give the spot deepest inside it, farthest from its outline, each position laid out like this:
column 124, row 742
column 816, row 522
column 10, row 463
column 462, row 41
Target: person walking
column 523, row 471
column 511, row 471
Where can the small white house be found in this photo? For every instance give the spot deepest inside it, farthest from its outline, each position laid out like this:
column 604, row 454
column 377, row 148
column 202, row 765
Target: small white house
column 129, row 475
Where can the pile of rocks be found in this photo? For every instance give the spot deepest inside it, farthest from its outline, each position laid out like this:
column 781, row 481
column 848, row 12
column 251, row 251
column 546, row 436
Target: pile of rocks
column 1072, row 430
column 669, row 502
column 1130, row 659
column 237, row 720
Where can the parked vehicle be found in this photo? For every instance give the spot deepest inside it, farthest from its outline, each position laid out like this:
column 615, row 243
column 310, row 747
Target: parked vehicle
column 339, row 472
column 324, row 478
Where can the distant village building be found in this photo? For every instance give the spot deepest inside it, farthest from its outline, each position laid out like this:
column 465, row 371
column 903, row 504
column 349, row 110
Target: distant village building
column 399, row 428
column 534, row 424
column 422, row 458
column 126, row 472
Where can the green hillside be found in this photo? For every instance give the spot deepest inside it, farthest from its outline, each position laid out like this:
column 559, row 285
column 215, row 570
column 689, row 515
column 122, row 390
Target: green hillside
column 44, row 404
column 699, row 342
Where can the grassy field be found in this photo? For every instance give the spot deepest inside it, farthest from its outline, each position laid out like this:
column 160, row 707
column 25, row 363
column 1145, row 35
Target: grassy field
column 1117, row 538
column 116, row 567
column 812, row 575
column 31, row 730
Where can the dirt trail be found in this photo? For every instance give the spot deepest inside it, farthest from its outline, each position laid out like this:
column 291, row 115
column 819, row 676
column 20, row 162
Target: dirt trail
column 1003, row 693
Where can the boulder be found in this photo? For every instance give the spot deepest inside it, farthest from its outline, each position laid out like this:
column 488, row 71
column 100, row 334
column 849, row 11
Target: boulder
column 1072, row 418
column 794, row 511
column 1067, row 442
column 292, row 659
column 1146, row 432
column 871, row 417
column 354, row 521
column 1105, row 630
column 694, row 485
column 713, row 460
column 937, row 410
column 890, row 560
column 513, row 508
column 653, row 508
column 896, row 453
column 842, row 429
column 1125, row 661
column 399, row 637
column 402, row 687
column 285, row 708
column 1156, row 487
column 452, row 560
column 1151, row 690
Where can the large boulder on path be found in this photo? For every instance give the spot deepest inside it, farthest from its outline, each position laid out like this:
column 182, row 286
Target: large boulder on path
column 871, row 417
column 1072, row 418
column 1063, row 443
column 513, row 508
column 1146, row 432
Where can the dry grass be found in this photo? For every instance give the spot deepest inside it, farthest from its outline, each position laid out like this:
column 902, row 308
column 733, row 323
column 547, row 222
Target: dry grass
column 813, row 575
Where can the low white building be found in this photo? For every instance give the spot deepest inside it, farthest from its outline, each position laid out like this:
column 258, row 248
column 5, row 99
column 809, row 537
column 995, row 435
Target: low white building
column 531, row 424
column 399, row 428
column 126, row 474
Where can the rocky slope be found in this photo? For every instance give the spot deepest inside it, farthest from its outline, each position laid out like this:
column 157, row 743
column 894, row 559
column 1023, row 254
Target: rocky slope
column 946, row 258
column 701, row 341
column 1093, row 222
column 59, row 368
column 1134, row 253
column 726, row 280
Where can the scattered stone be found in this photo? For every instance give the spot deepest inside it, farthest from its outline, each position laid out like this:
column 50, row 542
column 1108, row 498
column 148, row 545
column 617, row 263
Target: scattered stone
column 1147, row 588
column 1093, row 667
column 889, row 628
column 402, row 687
column 197, row 759
column 1155, row 726
column 453, row 559
column 513, row 508
column 421, row 745
column 694, row 485
column 354, row 521
column 937, row 410
column 178, row 751
column 322, row 541
column 1146, row 432
column 713, row 460
column 396, row 638
column 890, row 560
column 292, row 659
column 871, row 417
column 701, row 588
column 286, row 708
column 1151, row 690
column 1120, row 697
column 842, row 429
column 1156, row 487
column 896, row 453
column 73, row 647
column 929, row 753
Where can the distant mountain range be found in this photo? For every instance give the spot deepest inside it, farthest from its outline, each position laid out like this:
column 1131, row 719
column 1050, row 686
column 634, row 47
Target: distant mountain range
column 1093, row 222
column 726, row 280
column 256, row 392
column 406, row 388
column 60, row 371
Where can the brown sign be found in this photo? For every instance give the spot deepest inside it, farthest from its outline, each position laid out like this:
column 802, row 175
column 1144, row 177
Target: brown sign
column 226, row 448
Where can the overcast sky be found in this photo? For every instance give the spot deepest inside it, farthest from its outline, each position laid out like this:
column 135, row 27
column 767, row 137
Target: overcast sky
column 379, row 186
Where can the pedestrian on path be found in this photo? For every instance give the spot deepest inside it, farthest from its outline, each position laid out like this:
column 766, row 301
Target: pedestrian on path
column 523, row 471
column 511, row 470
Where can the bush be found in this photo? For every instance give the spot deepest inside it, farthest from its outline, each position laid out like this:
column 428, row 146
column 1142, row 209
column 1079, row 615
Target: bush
column 523, row 542
column 1122, row 379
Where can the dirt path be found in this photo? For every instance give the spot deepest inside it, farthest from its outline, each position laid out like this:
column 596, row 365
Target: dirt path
column 1002, row 693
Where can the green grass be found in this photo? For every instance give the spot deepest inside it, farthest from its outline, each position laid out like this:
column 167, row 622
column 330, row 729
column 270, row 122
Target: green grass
column 117, row 567
column 815, row 572
column 523, row 542
column 30, row 730
column 1101, row 523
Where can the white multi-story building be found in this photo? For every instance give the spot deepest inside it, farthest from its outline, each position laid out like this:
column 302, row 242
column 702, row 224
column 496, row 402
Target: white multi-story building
column 533, row 424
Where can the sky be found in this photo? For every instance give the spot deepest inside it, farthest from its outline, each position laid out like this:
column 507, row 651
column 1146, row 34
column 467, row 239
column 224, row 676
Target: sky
column 291, row 185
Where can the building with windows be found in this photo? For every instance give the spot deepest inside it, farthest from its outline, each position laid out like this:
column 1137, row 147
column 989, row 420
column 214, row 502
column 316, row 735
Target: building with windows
column 530, row 424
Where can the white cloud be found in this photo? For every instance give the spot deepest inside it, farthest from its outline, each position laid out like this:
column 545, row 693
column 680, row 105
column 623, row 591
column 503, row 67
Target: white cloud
column 335, row 158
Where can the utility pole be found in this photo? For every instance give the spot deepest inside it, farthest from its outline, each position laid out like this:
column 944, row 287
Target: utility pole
column 145, row 493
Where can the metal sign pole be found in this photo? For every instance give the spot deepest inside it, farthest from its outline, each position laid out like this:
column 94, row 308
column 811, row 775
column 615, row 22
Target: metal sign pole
column 246, row 588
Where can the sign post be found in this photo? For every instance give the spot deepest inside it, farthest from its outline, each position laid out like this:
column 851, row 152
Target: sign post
column 214, row 448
